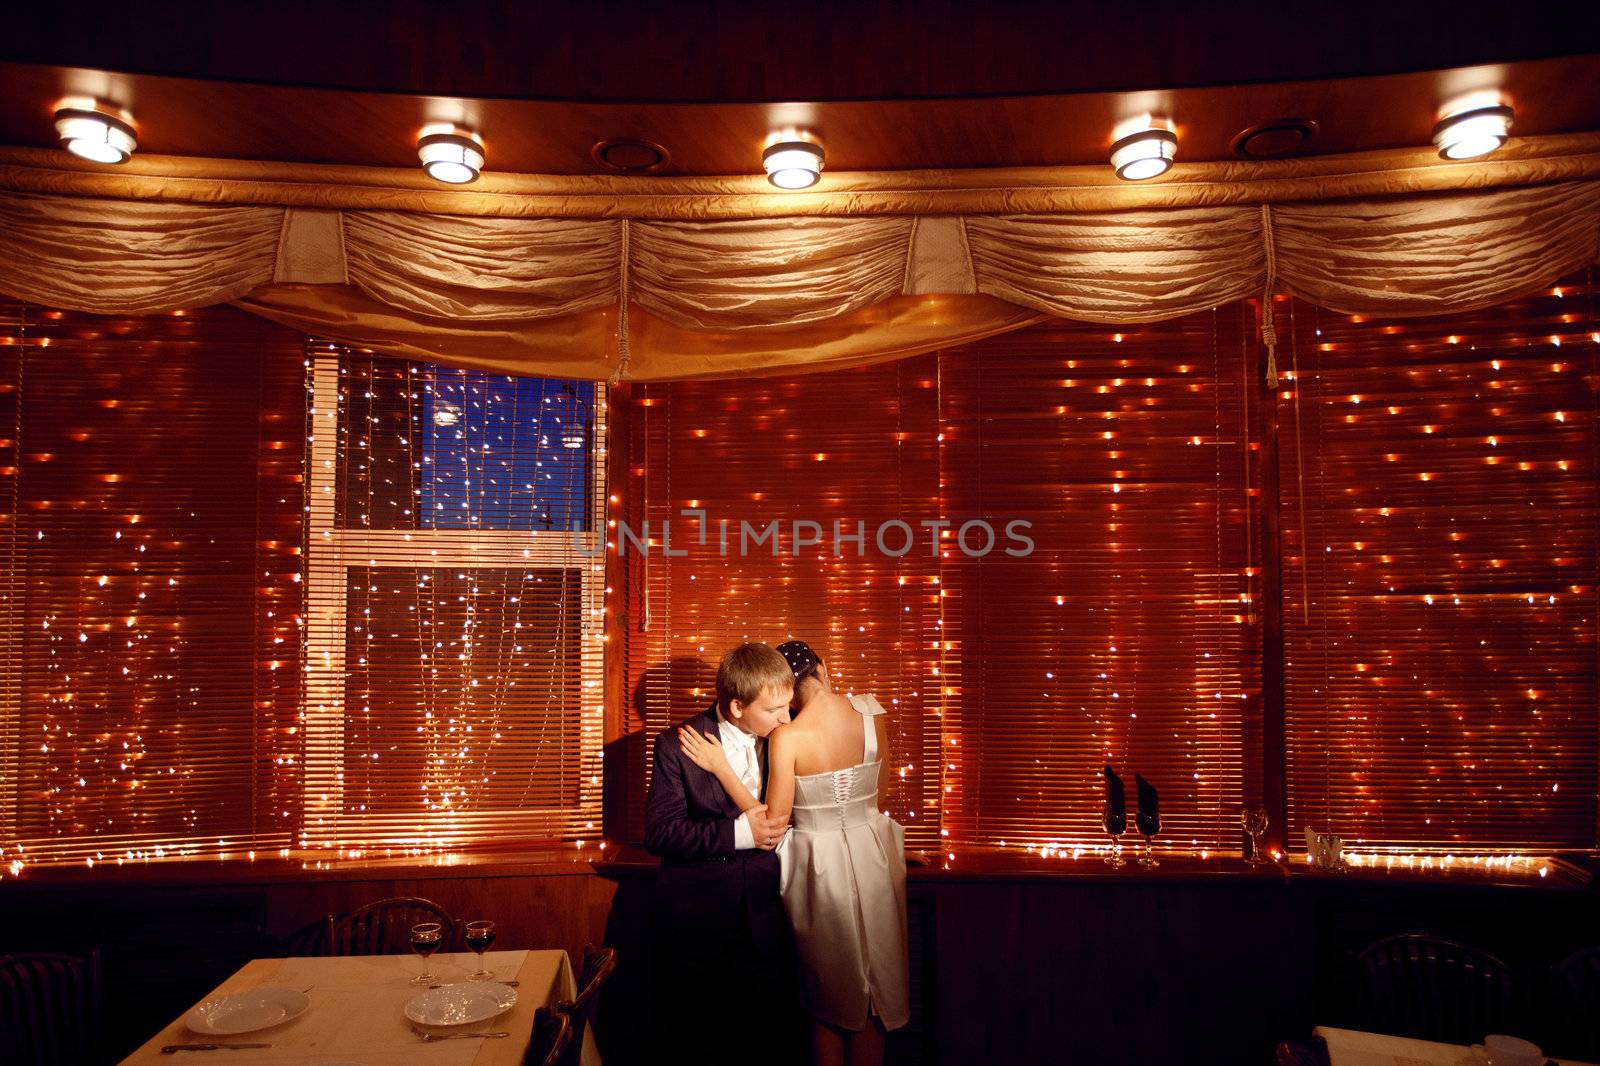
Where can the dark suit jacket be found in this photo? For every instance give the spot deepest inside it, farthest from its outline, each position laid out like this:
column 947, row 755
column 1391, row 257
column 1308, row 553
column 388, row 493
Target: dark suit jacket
column 689, row 824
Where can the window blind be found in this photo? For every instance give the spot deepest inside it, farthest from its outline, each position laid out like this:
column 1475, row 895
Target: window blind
column 857, row 448
column 454, row 581
column 1125, row 634
column 1125, row 637
column 152, row 493
column 1439, row 514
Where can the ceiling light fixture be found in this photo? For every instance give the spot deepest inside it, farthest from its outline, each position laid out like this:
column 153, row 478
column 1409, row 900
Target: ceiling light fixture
column 1144, row 153
column 450, row 154
column 793, row 163
column 1473, row 132
column 90, row 133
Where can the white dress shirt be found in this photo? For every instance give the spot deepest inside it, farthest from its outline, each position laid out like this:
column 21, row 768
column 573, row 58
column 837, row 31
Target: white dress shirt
column 745, row 758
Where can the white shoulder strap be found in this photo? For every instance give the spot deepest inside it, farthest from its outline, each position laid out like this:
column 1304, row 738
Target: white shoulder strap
column 869, row 708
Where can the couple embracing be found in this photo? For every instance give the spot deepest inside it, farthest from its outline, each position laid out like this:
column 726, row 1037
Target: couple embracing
column 782, row 884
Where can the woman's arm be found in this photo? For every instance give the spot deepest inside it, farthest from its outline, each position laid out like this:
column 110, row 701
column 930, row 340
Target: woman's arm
column 705, row 751
column 780, row 773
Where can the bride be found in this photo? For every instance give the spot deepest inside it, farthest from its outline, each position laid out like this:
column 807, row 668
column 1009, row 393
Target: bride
column 844, row 869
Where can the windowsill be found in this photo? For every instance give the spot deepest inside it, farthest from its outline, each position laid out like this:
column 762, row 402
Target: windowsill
column 544, row 862
column 1564, row 874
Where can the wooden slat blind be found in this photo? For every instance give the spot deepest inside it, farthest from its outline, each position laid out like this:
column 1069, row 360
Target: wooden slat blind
column 1125, row 637
column 1440, row 562
column 1125, row 634
column 152, row 493
column 853, row 447
column 236, row 624
column 454, row 607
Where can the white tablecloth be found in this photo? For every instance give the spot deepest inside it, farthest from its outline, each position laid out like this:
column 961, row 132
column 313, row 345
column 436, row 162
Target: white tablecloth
column 357, row 1013
column 1351, row 1047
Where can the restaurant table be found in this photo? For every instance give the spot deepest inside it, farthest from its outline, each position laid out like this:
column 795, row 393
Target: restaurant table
column 1351, row 1047
column 357, row 1013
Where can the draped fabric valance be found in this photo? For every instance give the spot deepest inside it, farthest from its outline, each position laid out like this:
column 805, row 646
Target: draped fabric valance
column 638, row 298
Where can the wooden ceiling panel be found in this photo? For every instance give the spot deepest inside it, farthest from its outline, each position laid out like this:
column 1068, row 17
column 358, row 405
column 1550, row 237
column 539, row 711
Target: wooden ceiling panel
column 243, row 121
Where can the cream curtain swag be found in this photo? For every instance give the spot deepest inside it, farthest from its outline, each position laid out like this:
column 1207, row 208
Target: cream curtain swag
column 1418, row 254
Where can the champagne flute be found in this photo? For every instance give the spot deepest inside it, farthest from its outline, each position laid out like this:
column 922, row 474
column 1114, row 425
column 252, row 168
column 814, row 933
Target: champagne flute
column 479, row 936
column 426, row 937
column 1254, row 820
column 1149, row 823
column 1116, row 823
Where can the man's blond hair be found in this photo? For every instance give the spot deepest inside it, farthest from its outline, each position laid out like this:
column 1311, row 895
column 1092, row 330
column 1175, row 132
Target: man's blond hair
column 749, row 670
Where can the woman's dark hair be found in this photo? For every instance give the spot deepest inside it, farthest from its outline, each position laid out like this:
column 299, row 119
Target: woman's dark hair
column 801, row 659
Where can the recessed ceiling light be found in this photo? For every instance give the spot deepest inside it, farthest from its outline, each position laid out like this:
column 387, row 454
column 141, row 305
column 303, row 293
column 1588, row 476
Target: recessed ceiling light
column 1472, row 133
column 92, row 134
column 1144, row 154
column 450, row 154
column 793, row 164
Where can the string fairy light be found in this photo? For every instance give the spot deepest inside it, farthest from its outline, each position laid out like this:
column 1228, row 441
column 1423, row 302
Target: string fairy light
column 471, row 605
column 1449, row 472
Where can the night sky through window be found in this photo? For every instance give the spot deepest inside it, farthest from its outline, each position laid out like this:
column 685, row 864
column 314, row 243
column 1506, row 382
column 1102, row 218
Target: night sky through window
column 505, row 452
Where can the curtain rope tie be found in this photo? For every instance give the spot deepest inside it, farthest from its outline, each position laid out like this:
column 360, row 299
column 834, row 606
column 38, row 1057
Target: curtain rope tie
column 1269, row 327
column 624, row 346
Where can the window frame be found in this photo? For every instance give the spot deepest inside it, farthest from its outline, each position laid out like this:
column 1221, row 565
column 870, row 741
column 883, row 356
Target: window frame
column 330, row 553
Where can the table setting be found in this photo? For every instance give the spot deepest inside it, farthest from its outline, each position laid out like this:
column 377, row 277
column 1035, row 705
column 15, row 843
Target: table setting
column 453, row 1009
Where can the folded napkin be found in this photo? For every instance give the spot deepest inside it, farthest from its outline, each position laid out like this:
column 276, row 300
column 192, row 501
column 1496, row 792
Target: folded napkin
column 1116, row 796
column 1149, row 799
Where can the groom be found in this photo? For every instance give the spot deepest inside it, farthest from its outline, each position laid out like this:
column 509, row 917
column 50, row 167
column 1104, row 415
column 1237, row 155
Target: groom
column 718, row 924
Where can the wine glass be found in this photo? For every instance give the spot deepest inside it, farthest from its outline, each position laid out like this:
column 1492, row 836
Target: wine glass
column 1149, row 823
column 1254, row 820
column 479, row 936
column 426, row 937
column 1116, row 823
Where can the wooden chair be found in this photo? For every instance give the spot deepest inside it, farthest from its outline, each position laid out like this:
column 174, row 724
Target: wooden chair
column 384, row 927
column 50, row 1010
column 1302, row 1053
column 1578, row 998
column 552, row 1035
column 1433, row 989
column 598, row 966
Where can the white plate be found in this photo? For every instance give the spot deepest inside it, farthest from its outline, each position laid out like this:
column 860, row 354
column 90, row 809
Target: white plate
column 246, row 1012
column 461, row 1004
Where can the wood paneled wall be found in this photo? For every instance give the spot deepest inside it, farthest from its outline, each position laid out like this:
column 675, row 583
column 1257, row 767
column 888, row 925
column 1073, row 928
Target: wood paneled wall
column 1168, row 968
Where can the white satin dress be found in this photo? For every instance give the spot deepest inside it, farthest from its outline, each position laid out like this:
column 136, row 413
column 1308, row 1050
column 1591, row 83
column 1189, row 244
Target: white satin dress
column 844, row 888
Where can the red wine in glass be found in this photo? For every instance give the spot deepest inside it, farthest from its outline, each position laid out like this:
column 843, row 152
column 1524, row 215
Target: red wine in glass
column 1149, row 824
column 1116, row 823
column 479, row 936
column 426, row 938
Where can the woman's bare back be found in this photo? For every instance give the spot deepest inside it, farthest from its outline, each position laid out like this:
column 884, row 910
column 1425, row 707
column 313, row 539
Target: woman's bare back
column 828, row 737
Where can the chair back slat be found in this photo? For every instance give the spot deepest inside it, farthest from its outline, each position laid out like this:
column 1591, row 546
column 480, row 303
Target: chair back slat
column 50, row 1009
column 384, row 927
column 552, row 1036
column 1434, row 989
column 598, row 966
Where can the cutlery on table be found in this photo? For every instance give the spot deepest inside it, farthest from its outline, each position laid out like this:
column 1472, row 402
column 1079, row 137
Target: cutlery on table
column 171, row 1049
column 496, row 1035
column 509, row 984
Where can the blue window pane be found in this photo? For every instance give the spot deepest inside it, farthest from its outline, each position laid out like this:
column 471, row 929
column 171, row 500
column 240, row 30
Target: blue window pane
column 503, row 452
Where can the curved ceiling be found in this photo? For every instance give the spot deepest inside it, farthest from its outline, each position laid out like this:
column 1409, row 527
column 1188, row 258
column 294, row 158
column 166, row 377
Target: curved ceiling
column 224, row 120
column 755, row 50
